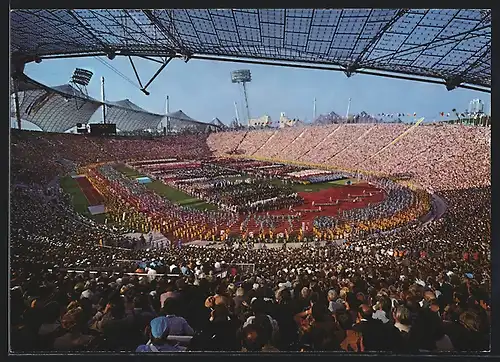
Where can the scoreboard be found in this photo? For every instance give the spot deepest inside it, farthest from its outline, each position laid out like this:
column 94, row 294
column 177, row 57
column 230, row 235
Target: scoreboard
column 101, row 129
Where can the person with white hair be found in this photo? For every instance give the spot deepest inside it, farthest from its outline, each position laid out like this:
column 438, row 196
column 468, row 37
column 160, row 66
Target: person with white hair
column 333, row 303
column 151, row 273
column 240, row 299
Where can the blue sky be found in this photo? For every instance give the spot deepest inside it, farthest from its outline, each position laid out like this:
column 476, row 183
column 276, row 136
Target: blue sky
column 203, row 89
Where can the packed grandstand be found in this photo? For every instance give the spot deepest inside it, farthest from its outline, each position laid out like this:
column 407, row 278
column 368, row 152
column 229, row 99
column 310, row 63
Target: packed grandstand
column 362, row 237
column 424, row 286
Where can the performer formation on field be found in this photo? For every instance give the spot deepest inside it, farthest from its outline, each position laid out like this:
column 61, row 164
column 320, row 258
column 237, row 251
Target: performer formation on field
column 246, row 199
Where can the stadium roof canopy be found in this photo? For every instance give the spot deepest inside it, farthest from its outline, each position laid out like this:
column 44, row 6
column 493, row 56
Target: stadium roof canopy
column 58, row 109
column 180, row 121
column 445, row 46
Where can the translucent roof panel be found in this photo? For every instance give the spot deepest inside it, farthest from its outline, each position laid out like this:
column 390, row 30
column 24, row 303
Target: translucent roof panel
column 128, row 119
column 180, row 125
column 437, row 43
column 60, row 108
column 52, row 111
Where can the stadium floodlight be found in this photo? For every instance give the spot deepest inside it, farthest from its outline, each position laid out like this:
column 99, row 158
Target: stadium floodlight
column 81, row 77
column 242, row 77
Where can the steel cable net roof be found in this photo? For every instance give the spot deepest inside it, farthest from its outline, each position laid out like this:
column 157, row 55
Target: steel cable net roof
column 437, row 43
column 54, row 109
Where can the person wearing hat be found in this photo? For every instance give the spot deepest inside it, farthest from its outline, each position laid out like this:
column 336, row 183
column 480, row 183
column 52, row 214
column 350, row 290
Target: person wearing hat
column 238, row 300
column 258, row 307
column 159, row 331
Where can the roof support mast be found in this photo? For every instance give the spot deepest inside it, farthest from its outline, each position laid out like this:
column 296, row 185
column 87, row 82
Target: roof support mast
column 186, row 54
column 103, row 99
column 16, row 101
column 168, row 112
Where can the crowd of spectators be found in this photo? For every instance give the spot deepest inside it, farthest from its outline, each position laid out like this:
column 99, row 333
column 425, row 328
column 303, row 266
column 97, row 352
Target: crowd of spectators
column 398, row 198
column 373, row 140
column 440, row 156
column 422, row 290
column 57, row 153
column 418, row 289
column 276, row 144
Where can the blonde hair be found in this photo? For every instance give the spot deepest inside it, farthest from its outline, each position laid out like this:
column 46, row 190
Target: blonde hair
column 343, row 292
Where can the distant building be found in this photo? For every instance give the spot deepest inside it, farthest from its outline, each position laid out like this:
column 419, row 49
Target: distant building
column 285, row 121
column 263, row 121
column 476, row 106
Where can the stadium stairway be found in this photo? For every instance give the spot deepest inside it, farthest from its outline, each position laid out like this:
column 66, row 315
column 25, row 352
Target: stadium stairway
column 294, row 140
column 351, row 143
column 300, row 158
column 265, row 143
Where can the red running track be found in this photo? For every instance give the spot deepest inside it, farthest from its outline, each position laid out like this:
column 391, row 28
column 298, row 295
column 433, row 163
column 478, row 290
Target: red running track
column 344, row 194
column 92, row 195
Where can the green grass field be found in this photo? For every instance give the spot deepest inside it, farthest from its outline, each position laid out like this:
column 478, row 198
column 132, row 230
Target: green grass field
column 321, row 186
column 127, row 171
column 307, row 188
column 171, row 193
column 78, row 199
column 184, row 199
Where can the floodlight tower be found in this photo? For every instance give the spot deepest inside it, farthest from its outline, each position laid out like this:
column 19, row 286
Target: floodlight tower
column 348, row 109
column 236, row 111
column 80, row 80
column 243, row 76
column 314, row 109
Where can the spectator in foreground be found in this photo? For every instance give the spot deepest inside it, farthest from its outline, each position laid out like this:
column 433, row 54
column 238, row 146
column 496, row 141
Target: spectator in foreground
column 74, row 340
column 159, row 331
column 256, row 337
column 178, row 326
column 220, row 334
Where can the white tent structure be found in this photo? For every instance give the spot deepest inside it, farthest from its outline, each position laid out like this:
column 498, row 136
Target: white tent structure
column 179, row 121
column 60, row 108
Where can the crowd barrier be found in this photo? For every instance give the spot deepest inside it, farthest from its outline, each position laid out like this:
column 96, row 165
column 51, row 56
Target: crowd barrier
column 113, row 273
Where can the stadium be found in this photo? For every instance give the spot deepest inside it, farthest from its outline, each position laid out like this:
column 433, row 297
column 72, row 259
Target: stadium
column 157, row 232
